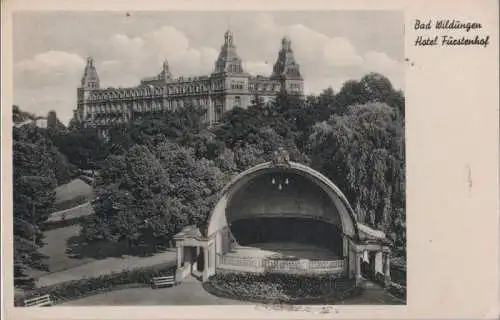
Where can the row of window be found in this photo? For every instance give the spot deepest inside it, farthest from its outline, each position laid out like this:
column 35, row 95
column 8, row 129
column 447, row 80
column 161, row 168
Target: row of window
column 92, row 85
column 148, row 91
column 296, row 87
column 234, row 68
column 154, row 105
column 238, row 85
column 98, row 119
column 264, row 87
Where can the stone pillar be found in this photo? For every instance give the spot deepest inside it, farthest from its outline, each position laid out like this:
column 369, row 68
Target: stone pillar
column 358, row 255
column 366, row 257
column 379, row 263
column 387, row 269
column 179, row 273
column 205, row 261
column 179, row 256
column 345, row 248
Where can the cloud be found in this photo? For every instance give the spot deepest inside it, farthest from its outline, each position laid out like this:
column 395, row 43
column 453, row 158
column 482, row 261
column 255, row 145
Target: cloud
column 123, row 59
column 325, row 61
column 380, row 62
column 42, row 100
column 258, row 67
column 143, row 55
column 52, row 62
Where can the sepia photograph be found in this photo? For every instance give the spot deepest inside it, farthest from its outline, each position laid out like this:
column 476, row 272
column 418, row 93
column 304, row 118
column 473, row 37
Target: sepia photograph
column 208, row 158
column 250, row 160
column 205, row 158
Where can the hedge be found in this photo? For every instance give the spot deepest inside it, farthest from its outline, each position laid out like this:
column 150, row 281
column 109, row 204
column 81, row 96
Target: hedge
column 398, row 274
column 77, row 289
column 397, row 290
column 281, row 288
column 51, row 225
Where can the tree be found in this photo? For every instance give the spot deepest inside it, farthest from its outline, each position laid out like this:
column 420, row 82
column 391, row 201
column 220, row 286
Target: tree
column 254, row 133
column 195, row 182
column 33, row 199
column 151, row 193
column 363, row 152
column 84, row 148
column 19, row 116
column 373, row 87
column 126, row 196
column 53, row 122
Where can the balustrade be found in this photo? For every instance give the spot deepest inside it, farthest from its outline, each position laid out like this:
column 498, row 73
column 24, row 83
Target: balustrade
column 282, row 265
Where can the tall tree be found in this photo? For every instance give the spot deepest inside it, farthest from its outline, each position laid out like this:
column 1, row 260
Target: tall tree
column 363, row 152
column 152, row 193
column 33, row 199
column 83, row 147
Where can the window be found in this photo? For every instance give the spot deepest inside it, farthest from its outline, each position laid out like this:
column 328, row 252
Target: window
column 219, row 110
column 237, row 102
column 238, row 85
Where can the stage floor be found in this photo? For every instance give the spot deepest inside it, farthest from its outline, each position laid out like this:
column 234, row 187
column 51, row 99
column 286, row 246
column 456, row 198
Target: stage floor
column 288, row 249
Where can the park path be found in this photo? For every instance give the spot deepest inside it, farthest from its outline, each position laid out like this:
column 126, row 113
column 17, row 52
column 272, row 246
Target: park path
column 79, row 211
column 192, row 293
column 107, row 266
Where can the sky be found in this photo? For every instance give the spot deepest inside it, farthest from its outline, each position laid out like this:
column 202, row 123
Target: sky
column 331, row 47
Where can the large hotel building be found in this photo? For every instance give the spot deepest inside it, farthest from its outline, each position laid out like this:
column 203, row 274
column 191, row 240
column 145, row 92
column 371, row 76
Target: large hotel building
column 228, row 86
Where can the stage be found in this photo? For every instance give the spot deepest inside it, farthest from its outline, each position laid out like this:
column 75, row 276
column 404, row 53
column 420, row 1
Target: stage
column 281, row 257
column 283, row 250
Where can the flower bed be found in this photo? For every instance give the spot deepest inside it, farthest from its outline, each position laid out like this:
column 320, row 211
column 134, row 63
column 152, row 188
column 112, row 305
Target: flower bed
column 77, row 289
column 280, row 288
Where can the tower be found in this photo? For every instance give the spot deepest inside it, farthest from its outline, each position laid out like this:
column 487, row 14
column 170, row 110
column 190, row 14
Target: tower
column 229, row 72
column 90, row 79
column 287, row 70
column 165, row 73
column 228, row 60
column 89, row 82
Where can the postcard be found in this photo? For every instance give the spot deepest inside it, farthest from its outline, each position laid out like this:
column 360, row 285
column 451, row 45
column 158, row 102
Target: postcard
column 260, row 159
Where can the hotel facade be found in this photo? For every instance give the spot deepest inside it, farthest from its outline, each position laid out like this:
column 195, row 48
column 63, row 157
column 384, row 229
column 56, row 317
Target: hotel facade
column 227, row 87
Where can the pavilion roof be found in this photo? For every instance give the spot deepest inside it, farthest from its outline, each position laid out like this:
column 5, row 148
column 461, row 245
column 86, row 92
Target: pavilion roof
column 190, row 231
column 367, row 233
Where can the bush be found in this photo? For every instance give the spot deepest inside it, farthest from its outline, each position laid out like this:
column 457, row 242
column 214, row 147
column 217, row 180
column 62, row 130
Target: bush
column 280, row 288
column 72, row 290
column 51, row 225
column 398, row 274
column 397, row 290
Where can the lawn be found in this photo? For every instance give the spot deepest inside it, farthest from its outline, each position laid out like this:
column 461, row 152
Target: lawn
column 56, row 249
column 70, row 258
column 72, row 194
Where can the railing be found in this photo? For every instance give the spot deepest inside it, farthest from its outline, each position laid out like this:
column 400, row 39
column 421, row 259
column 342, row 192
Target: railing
column 250, row 262
column 259, row 264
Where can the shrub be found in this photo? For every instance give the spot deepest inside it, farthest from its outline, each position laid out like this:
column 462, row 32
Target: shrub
column 72, row 290
column 398, row 274
column 397, row 290
column 51, row 225
column 279, row 288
